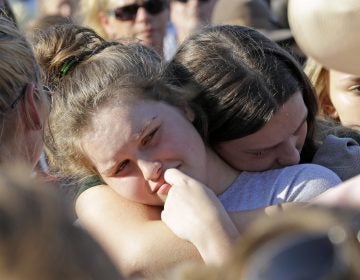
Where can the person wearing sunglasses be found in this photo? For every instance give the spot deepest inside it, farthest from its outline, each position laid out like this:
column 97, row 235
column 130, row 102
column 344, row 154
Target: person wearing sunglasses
column 144, row 20
column 188, row 16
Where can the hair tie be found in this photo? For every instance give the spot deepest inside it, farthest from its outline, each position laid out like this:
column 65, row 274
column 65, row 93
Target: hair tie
column 74, row 60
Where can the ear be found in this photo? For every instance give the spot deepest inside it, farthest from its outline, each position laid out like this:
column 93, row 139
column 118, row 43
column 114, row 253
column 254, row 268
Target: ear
column 104, row 22
column 328, row 108
column 189, row 113
column 32, row 114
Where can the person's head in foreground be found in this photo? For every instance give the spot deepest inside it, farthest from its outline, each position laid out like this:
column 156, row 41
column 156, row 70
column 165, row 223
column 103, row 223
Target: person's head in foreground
column 24, row 103
column 38, row 239
column 338, row 93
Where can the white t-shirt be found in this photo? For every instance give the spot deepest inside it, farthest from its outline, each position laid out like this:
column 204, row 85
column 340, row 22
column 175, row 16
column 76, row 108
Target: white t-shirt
column 296, row 183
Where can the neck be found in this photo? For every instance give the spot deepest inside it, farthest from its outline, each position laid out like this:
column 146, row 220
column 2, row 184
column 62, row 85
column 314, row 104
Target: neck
column 220, row 175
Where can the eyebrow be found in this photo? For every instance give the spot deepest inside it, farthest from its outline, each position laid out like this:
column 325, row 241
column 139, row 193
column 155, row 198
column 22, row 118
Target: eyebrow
column 274, row 146
column 137, row 135
column 134, row 138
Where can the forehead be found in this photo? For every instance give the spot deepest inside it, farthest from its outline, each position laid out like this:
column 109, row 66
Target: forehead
column 283, row 124
column 113, row 127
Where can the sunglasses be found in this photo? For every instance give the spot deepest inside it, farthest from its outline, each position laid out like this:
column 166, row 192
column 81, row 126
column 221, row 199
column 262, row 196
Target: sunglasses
column 129, row 12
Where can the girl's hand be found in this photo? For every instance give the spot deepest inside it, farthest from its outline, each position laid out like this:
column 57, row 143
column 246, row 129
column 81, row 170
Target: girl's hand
column 194, row 213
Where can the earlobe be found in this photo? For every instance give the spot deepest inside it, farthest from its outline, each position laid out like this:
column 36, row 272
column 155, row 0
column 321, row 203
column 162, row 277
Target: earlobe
column 189, row 113
column 104, row 22
column 329, row 109
column 32, row 114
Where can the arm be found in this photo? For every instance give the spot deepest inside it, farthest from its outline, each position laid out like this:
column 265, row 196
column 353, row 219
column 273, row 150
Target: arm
column 346, row 194
column 194, row 213
column 133, row 234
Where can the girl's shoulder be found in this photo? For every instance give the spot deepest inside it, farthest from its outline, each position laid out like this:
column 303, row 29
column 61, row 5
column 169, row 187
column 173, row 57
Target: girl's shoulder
column 341, row 155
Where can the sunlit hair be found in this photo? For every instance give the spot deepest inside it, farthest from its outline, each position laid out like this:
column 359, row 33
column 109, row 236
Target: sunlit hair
column 241, row 79
column 320, row 78
column 18, row 68
column 89, row 14
column 98, row 73
column 38, row 239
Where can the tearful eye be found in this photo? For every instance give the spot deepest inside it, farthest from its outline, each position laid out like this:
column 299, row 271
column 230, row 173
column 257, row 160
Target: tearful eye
column 149, row 137
column 355, row 89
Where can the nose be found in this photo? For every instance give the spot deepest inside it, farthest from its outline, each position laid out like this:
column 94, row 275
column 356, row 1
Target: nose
column 288, row 153
column 151, row 170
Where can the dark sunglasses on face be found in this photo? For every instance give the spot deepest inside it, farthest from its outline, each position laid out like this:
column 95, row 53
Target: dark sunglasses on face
column 129, row 12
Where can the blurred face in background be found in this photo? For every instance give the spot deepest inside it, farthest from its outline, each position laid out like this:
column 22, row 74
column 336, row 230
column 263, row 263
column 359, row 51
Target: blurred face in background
column 65, row 8
column 136, row 19
column 190, row 15
column 344, row 91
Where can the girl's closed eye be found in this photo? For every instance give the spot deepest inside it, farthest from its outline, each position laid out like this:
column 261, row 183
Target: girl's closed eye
column 149, row 137
column 355, row 89
column 121, row 167
column 259, row 153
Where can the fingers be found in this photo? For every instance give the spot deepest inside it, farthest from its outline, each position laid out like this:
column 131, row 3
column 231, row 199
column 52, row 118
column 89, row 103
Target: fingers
column 175, row 177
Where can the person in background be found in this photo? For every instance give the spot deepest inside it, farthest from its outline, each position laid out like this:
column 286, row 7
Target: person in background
column 188, row 16
column 338, row 27
column 64, row 8
column 338, row 93
column 133, row 19
column 257, row 14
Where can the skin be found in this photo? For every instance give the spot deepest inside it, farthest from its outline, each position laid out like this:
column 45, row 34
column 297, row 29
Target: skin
column 191, row 16
column 149, row 29
column 64, row 8
column 344, row 91
column 28, row 144
column 154, row 153
column 148, row 138
column 276, row 145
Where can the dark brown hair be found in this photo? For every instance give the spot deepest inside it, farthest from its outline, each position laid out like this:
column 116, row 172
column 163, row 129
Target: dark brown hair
column 241, row 79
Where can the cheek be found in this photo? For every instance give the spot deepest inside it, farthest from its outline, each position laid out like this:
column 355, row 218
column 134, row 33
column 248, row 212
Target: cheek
column 302, row 136
column 130, row 187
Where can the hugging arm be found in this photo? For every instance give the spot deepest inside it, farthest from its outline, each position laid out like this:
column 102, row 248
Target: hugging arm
column 139, row 242
column 133, row 234
column 194, row 213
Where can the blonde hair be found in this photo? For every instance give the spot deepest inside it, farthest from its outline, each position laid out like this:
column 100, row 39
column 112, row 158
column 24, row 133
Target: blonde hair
column 97, row 72
column 38, row 239
column 319, row 77
column 18, row 68
column 89, row 14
